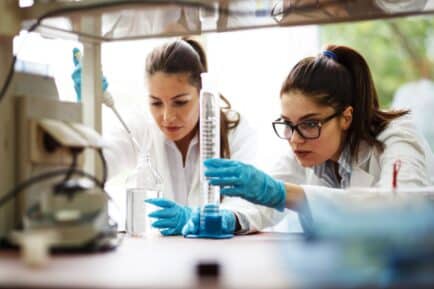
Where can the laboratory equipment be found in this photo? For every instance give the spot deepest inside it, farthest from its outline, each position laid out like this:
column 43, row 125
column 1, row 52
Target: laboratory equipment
column 107, row 98
column 145, row 183
column 109, row 102
column 209, row 130
column 228, row 223
column 53, row 195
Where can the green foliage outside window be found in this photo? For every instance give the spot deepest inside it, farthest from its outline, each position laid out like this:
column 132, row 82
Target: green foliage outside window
column 397, row 50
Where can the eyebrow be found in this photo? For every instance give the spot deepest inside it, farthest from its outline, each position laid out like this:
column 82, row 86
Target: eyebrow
column 309, row 115
column 173, row 97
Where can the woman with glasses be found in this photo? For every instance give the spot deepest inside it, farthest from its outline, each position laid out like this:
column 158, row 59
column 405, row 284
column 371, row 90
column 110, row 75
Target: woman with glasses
column 339, row 137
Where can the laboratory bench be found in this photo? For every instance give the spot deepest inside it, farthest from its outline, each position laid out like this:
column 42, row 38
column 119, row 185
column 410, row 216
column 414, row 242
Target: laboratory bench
column 252, row 261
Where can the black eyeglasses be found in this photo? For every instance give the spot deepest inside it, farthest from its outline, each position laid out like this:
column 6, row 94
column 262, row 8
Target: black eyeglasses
column 307, row 129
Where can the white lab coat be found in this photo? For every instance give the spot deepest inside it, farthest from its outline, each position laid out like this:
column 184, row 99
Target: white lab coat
column 371, row 169
column 182, row 183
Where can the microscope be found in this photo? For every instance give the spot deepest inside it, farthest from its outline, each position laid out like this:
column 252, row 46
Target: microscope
column 54, row 198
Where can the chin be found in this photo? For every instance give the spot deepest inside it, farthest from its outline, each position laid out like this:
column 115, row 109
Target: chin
column 173, row 137
column 306, row 163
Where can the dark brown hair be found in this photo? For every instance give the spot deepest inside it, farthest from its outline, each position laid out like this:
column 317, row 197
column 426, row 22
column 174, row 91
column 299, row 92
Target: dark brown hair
column 188, row 56
column 341, row 82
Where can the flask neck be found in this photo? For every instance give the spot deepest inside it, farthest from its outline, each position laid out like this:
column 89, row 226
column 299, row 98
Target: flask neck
column 144, row 159
column 147, row 174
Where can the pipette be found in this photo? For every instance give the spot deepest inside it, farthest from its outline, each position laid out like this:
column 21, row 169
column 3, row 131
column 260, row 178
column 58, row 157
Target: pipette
column 108, row 101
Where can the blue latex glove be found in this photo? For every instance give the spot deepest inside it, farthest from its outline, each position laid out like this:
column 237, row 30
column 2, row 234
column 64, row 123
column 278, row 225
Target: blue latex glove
column 193, row 224
column 171, row 218
column 245, row 181
column 76, row 74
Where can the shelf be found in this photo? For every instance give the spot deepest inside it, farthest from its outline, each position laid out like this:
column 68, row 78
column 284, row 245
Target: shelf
column 104, row 21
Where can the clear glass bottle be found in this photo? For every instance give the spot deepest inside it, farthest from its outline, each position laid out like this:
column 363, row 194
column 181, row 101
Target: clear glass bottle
column 144, row 183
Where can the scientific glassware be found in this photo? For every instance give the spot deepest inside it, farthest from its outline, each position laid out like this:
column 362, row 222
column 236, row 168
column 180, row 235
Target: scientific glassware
column 209, row 136
column 143, row 184
column 209, row 126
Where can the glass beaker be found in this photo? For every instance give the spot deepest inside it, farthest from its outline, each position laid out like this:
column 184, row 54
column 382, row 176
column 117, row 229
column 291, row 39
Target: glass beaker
column 138, row 224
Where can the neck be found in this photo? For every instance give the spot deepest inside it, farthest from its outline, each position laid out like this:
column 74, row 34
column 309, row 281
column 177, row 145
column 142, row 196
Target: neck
column 336, row 156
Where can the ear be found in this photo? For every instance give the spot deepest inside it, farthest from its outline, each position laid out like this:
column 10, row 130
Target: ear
column 347, row 117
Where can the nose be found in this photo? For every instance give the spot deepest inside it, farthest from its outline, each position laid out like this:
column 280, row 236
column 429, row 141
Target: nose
column 296, row 137
column 169, row 114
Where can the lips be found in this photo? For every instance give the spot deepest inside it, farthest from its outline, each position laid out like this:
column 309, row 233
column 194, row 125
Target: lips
column 172, row 128
column 301, row 154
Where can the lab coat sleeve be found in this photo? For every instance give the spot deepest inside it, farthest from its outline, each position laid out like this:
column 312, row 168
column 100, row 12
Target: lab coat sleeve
column 119, row 150
column 287, row 170
column 403, row 143
column 243, row 144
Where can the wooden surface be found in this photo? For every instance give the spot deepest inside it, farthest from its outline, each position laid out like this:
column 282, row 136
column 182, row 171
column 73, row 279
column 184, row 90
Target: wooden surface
column 159, row 262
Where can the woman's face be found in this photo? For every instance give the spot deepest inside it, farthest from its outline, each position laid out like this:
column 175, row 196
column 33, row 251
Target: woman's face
column 296, row 108
column 174, row 104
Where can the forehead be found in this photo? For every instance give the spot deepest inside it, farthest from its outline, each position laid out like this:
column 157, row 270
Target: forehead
column 295, row 105
column 164, row 85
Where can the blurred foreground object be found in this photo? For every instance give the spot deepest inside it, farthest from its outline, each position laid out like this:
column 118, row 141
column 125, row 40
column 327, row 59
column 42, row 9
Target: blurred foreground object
column 370, row 238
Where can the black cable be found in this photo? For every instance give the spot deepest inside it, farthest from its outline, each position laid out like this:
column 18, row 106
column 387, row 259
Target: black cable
column 12, row 67
column 104, row 167
column 69, row 172
column 22, row 186
column 74, row 153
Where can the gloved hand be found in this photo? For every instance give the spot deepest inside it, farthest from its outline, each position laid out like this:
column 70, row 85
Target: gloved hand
column 245, row 181
column 171, row 218
column 76, row 74
column 193, row 224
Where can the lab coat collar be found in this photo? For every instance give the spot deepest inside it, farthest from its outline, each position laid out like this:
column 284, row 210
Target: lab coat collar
column 363, row 155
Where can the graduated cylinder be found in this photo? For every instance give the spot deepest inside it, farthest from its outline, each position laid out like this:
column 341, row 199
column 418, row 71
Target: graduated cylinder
column 209, row 136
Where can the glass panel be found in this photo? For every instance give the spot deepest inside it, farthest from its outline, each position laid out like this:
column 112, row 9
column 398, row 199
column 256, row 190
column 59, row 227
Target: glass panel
column 145, row 19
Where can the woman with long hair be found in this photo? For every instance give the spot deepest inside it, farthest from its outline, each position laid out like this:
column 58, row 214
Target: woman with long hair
column 339, row 138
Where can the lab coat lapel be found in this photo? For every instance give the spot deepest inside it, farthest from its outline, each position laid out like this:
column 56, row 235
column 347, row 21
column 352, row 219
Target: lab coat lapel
column 365, row 168
column 194, row 195
column 360, row 178
column 159, row 155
